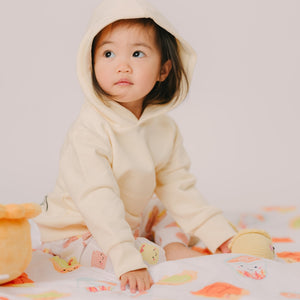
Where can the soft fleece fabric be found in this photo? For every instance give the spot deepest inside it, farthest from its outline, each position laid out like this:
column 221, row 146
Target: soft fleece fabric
column 112, row 163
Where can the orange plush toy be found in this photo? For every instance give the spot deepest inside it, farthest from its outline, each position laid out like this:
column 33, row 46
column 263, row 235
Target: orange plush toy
column 15, row 239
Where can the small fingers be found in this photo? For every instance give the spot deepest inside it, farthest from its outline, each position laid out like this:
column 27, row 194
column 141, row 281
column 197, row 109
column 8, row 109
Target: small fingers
column 141, row 284
column 137, row 280
column 148, row 283
column 124, row 281
column 132, row 284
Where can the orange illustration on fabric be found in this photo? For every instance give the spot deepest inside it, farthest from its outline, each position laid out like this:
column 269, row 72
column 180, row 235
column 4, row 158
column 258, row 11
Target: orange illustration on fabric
column 102, row 287
column 290, row 257
column 222, row 290
column 173, row 224
column 155, row 216
column 250, row 267
column 70, row 240
column 280, row 209
column 94, row 286
column 21, row 281
column 290, row 295
column 204, row 251
column 282, row 240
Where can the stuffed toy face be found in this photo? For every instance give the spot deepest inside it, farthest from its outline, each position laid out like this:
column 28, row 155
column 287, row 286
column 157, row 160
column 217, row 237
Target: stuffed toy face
column 15, row 239
column 150, row 253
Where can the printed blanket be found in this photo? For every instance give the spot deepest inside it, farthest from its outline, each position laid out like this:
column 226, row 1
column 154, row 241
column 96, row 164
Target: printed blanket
column 219, row 276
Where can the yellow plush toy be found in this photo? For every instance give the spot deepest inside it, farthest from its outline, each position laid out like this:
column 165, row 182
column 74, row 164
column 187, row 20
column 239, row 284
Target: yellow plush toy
column 253, row 242
column 15, row 239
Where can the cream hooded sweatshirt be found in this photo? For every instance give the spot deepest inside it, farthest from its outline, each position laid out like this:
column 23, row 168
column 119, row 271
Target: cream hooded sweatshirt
column 111, row 162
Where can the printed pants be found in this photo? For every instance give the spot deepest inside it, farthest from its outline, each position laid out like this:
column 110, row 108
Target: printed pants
column 157, row 230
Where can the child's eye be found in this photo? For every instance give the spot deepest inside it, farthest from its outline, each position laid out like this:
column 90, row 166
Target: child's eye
column 138, row 54
column 109, row 54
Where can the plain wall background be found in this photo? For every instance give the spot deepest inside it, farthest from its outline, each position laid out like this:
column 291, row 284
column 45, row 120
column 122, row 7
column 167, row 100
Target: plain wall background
column 240, row 122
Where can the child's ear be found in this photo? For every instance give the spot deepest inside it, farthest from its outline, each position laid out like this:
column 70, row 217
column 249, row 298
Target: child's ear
column 165, row 70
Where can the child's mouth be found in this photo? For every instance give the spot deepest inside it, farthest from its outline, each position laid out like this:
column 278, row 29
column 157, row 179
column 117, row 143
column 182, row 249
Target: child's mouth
column 124, row 82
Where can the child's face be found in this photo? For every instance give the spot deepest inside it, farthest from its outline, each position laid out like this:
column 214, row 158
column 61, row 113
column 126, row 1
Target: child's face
column 127, row 63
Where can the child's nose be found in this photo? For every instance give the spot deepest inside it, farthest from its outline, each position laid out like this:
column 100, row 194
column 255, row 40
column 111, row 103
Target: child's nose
column 124, row 67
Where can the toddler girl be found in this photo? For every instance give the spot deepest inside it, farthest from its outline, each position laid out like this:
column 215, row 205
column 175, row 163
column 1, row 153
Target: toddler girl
column 123, row 149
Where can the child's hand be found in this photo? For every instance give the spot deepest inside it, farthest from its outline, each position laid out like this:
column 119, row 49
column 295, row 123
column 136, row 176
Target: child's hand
column 137, row 280
column 224, row 247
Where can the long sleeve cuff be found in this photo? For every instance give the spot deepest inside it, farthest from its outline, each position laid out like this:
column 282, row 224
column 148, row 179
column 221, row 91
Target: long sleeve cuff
column 125, row 257
column 215, row 232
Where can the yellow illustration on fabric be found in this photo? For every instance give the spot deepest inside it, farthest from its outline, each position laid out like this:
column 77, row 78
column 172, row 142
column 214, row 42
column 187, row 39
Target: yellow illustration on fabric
column 295, row 223
column 51, row 295
column 150, row 253
column 178, row 279
column 221, row 290
column 62, row 266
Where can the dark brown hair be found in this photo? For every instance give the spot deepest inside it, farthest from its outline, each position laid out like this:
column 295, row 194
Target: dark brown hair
column 163, row 91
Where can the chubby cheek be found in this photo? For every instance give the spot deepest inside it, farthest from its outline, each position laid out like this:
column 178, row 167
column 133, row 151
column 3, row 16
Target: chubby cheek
column 148, row 80
column 102, row 75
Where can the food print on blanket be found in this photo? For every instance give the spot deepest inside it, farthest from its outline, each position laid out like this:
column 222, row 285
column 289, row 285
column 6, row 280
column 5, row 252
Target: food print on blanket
column 283, row 224
column 195, row 280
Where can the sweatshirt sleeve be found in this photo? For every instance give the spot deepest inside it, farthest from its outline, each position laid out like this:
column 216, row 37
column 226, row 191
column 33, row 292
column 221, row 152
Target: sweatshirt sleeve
column 176, row 189
column 87, row 173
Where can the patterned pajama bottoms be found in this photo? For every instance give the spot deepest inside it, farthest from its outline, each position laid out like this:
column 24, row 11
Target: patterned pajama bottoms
column 157, row 230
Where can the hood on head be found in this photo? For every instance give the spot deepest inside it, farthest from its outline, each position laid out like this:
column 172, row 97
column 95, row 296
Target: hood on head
column 106, row 13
